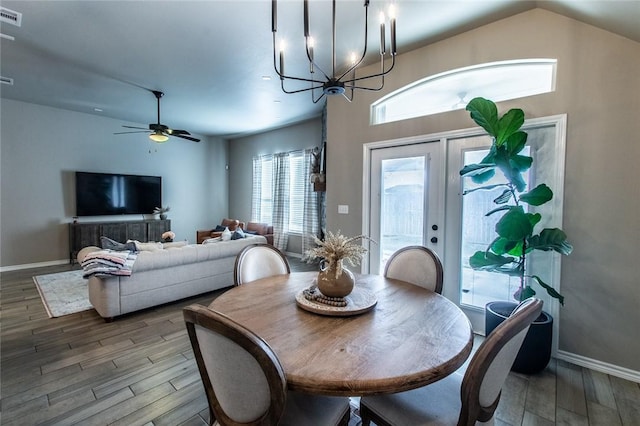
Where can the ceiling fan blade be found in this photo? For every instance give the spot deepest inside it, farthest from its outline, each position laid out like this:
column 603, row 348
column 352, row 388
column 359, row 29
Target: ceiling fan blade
column 135, row 127
column 186, row 137
column 176, row 132
column 137, row 131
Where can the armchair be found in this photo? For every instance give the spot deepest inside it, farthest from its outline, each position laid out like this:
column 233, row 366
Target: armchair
column 204, row 234
column 263, row 229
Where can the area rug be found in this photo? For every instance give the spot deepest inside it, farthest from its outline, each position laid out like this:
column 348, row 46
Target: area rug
column 63, row 293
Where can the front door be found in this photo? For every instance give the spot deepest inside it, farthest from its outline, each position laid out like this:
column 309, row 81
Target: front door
column 404, row 200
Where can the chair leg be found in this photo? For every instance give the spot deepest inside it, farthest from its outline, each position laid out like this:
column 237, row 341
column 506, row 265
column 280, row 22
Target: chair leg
column 368, row 416
column 346, row 418
column 365, row 415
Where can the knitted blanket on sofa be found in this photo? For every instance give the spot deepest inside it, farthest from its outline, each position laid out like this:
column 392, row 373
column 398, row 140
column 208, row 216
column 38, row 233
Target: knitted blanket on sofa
column 104, row 263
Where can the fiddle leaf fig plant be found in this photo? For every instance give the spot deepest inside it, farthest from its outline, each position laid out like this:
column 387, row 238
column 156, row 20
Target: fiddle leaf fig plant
column 516, row 228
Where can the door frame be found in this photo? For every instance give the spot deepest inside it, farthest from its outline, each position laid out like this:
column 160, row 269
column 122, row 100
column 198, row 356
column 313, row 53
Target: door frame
column 447, row 176
column 440, row 181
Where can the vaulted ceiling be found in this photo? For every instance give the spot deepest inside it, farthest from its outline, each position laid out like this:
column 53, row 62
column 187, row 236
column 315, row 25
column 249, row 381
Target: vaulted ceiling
column 212, row 59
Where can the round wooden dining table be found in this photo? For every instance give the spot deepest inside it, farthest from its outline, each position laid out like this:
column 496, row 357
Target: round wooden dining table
column 410, row 338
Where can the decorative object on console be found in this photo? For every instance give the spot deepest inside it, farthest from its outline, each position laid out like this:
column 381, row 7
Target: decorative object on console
column 167, row 237
column 335, row 81
column 334, row 280
column 159, row 132
column 162, row 211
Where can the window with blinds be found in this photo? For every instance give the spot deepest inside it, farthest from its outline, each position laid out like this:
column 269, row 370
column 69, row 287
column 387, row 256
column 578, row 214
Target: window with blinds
column 297, row 182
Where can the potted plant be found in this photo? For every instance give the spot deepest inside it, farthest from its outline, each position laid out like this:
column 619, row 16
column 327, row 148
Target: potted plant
column 516, row 228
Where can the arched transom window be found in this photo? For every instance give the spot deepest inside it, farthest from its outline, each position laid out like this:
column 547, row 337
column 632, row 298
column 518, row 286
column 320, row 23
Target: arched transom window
column 451, row 90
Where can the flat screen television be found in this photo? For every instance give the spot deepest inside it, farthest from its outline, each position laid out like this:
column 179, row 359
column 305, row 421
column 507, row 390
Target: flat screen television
column 100, row 194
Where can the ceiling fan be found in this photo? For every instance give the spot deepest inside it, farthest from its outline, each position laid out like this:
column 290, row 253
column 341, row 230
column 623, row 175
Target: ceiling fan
column 159, row 132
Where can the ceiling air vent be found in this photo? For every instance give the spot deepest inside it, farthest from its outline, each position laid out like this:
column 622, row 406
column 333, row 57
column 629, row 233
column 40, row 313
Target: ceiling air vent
column 6, row 80
column 10, row 16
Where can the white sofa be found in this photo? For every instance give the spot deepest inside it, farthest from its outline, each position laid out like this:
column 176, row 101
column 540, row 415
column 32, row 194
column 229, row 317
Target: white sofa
column 168, row 275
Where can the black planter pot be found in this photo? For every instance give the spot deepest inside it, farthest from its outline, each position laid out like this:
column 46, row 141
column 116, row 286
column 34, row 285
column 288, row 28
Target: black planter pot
column 535, row 353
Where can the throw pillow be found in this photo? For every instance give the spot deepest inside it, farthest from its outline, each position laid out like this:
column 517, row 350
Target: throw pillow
column 226, row 234
column 219, row 228
column 238, row 234
column 109, row 244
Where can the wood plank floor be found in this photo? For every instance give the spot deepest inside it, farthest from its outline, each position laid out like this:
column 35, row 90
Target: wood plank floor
column 139, row 370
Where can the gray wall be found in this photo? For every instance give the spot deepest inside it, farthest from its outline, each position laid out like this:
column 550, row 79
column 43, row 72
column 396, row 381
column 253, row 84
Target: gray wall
column 41, row 147
column 241, row 152
column 598, row 83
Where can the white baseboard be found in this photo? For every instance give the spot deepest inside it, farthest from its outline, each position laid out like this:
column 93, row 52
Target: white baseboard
column 603, row 367
column 33, row 265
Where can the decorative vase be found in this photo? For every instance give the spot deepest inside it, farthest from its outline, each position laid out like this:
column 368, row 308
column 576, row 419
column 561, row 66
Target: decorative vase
column 163, row 216
column 331, row 286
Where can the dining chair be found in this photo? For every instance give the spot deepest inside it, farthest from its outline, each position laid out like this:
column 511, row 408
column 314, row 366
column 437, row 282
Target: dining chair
column 259, row 261
column 464, row 401
column 417, row 265
column 244, row 381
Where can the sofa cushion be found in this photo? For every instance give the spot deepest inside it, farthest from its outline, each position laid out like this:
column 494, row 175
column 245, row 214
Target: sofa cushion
column 152, row 246
column 174, row 244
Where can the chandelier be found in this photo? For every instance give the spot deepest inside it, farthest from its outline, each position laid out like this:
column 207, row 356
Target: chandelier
column 336, row 82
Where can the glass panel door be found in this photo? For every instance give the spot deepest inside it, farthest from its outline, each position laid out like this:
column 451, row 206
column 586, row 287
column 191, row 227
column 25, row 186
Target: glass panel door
column 477, row 288
column 469, row 230
column 404, row 200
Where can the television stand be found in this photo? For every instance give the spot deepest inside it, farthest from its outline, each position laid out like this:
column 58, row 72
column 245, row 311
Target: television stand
column 88, row 233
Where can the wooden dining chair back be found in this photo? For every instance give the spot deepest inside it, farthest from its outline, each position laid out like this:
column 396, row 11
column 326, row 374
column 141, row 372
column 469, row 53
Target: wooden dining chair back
column 417, row 265
column 463, row 400
column 490, row 365
column 243, row 379
column 259, row 261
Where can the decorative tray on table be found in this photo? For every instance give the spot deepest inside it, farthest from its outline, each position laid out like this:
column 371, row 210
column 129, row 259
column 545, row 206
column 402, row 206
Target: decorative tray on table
column 359, row 301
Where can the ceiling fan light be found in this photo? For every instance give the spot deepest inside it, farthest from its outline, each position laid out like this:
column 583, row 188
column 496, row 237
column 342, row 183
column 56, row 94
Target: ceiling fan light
column 158, row 137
